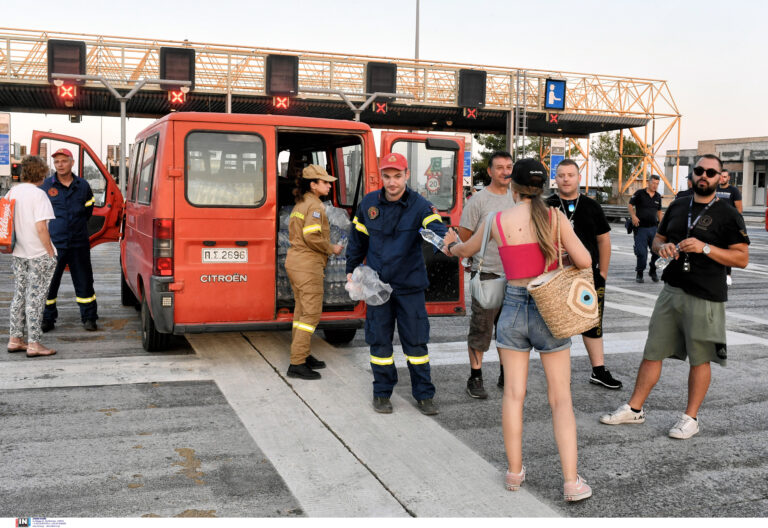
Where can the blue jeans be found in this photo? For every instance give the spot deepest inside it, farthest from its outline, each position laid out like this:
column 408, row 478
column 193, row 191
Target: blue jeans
column 521, row 326
column 643, row 242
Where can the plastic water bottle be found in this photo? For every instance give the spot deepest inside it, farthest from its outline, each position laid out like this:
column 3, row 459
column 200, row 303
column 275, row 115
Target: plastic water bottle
column 663, row 262
column 432, row 237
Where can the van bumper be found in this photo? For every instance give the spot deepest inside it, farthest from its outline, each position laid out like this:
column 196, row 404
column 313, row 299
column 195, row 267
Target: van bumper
column 253, row 327
column 161, row 303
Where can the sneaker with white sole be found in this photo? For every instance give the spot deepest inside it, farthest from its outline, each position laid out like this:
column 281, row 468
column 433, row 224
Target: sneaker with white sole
column 576, row 491
column 685, row 427
column 513, row 480
column 623, row 415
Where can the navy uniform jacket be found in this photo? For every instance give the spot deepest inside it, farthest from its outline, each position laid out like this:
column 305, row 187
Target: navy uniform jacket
column 387, row 234
column 73, row 206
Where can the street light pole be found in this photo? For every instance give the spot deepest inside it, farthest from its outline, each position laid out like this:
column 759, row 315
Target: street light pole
column 417, row 29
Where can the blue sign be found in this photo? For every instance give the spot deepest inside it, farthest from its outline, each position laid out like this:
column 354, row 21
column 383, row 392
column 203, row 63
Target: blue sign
column 468, row 165
column 554, row 161
column 554, row 96
column 5, row 149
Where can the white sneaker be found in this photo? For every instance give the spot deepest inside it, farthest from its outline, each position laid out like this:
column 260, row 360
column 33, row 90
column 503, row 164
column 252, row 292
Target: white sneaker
column 685, row 427
column 623, row 415
column 728, row 280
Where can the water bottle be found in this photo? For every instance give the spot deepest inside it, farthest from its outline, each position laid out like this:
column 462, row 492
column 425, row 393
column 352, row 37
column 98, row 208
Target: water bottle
column 663, row 262
column 432, row 237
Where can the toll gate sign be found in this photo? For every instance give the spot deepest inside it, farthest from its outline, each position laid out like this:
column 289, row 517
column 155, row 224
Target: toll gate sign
column 5, row 144
column 554, row 95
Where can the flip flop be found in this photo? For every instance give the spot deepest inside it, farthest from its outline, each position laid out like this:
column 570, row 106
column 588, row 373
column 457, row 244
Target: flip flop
column 41, row 352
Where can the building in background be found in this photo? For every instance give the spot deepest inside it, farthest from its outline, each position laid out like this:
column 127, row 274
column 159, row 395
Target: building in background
column 745, row 158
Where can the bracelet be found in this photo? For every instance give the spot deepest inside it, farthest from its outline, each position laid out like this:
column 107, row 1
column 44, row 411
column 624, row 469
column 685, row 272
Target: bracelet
column 450, row 246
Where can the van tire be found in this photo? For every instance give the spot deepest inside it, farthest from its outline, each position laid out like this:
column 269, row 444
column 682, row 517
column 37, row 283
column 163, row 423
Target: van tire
column 151, row 339
column 127, row 298
column 339, row 336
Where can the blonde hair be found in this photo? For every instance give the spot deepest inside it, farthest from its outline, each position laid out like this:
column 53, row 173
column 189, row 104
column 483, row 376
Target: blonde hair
column 540, row 220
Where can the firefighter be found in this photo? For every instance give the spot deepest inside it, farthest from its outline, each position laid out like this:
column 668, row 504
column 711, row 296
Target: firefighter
column 310, row 238
column 385, row 232
column 72, row 201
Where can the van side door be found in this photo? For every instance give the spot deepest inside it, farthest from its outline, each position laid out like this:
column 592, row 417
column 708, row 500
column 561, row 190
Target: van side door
column 104, row 225
column 436, row 164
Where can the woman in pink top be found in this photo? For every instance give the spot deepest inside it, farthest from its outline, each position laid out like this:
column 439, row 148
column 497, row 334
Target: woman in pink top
column 527, row 243
column 34, row 258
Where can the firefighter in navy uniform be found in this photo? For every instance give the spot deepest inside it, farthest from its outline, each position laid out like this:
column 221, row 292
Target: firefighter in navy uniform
column 310, row 238
column 385, row 232
column 72, row 201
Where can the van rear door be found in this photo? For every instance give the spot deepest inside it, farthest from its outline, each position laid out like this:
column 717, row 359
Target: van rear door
column 104, row 225
column 436, row 164
column 224, row 223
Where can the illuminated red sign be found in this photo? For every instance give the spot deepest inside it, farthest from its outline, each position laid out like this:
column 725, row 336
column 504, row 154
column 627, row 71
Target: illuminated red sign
column 470, row 113
column 177, row 97
column 281, row 102
column 67, row 91
column 381, row 108
column 553, row 118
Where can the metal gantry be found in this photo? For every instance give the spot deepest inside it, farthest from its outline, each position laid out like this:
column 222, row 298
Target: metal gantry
column 241, row 70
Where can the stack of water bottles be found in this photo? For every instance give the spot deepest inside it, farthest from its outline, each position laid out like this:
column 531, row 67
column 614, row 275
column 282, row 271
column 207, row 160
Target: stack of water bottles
column 284, row 290
column 335, row 270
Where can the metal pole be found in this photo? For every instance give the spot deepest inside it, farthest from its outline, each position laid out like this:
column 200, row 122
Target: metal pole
column 123, row 185
column 229, row 83
column 417, row 29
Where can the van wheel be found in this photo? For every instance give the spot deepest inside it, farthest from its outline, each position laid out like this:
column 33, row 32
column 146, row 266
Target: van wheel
column 151, row 339
column 339, row 336
column 127, row 298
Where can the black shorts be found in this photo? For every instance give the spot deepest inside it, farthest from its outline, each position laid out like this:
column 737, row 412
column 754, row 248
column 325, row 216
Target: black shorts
column 600, row 289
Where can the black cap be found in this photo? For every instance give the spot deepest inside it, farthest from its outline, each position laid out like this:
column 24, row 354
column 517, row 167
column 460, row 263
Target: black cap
column 529, row 172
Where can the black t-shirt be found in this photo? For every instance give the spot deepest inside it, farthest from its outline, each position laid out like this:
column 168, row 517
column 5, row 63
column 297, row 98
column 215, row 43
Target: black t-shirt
column 588, row 221
column 687, row 192
column 720, row 226
column 646, row 208
column 730, row 194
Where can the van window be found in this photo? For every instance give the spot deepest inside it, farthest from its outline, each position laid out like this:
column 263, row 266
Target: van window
column 433, row 172
column 147, row 170
column 352, row 157
column 133, row 169
column 224, row 169
column 95, row 179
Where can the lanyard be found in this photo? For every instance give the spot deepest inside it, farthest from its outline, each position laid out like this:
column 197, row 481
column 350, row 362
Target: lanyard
column 571, row 207
column 690, row 213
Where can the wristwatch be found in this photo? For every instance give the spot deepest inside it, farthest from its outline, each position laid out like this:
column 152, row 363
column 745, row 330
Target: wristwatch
column 706, row 249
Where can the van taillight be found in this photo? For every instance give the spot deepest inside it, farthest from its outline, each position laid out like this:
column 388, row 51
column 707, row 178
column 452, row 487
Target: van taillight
column 162, row 247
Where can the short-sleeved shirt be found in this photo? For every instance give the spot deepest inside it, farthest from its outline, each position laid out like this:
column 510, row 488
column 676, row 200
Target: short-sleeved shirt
column 730, row 194
column 588, row 220
column 473, row 218
column 687, row 192
column 647, row 207
column 720, row 226
column 32, row 206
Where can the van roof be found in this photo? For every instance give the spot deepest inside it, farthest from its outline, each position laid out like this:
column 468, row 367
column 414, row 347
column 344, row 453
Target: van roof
column 261, row 119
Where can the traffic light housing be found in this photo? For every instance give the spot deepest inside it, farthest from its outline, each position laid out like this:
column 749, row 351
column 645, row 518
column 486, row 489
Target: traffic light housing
column 472, row 88
column 381, row 77
column 177, row 64
column 282, row 75
column 68, row 57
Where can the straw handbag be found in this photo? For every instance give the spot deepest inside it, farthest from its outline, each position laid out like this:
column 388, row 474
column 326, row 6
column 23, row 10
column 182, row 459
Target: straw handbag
column 489, row 293
column 566, row 297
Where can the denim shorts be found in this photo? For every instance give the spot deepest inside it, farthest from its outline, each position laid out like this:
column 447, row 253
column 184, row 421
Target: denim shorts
column 521, row 327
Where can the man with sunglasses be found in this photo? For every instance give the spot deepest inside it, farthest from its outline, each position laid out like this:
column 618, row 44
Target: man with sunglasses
column 703, row 235
column 645, row 213
column 729, row 193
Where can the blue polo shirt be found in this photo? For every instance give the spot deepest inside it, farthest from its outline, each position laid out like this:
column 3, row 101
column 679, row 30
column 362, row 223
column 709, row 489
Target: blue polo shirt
column 387, row 235
column 73, row 206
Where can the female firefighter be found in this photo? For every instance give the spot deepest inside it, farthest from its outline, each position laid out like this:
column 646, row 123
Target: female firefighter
column 310, row 238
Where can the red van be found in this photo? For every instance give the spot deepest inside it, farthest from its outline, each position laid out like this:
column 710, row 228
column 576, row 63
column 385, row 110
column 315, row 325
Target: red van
column 201, row 240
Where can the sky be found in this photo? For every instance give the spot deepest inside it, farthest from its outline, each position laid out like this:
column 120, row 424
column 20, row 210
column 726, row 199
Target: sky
column 710, row 53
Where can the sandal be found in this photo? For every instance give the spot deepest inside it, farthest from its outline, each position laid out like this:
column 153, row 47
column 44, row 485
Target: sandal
column 39, row 351
column 16, row 345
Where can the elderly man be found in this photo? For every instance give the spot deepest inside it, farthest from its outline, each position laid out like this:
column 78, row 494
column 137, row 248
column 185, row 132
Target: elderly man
column 645, row 212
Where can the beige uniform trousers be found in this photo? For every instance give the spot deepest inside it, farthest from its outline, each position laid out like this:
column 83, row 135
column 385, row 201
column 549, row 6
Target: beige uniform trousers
column 308, row 295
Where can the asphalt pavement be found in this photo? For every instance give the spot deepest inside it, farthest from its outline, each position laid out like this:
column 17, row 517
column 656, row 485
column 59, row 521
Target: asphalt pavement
column 212, row 428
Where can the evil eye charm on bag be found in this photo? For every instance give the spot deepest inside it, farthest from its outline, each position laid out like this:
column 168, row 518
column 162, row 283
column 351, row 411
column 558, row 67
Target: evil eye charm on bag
column 582, row 299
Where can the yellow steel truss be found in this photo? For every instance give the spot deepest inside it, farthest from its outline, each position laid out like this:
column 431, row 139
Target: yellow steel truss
column 222, row 68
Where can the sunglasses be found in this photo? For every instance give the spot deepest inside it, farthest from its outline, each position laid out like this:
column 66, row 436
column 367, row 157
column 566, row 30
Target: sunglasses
column 711, row 173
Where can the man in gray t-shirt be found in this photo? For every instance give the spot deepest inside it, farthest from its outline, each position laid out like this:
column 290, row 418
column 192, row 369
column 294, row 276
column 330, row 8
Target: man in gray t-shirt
column 496, row 197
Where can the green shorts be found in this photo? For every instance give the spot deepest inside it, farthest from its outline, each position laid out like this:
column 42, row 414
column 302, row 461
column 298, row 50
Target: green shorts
column 686, row 326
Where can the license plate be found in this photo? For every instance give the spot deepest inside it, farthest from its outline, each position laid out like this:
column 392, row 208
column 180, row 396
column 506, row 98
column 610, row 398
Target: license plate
column 226, row 255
